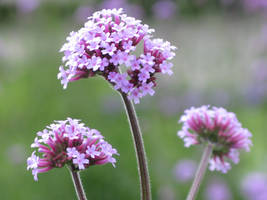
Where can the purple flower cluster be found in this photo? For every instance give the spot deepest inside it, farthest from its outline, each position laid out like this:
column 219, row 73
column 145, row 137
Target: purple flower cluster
column 164, row 9
column 108, row 41
column 218, row 127
column 255, row 5
column 217, row 189
column 69, row 142
column 27, row 6
column 254, row 186
column 184, row 170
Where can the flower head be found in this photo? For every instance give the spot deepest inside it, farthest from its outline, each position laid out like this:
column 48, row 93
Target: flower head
column 218, row 127
column 108, row 40
column 69, row 142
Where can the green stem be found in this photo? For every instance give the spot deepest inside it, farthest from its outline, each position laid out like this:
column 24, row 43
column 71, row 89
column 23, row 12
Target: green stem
column 200, row 172
column 139, row 148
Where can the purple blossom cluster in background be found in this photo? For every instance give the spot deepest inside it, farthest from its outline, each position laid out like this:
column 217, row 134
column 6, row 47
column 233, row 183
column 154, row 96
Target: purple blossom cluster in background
column 27, row 6
column 254, row 186
column 255, row 5
column 217, row 189
column 81, row 14
column 256, row 91
column 164, row 9
column 185, row 170
column 218, row 127
column 69, row 142
column 108, row 41
column 134, row 10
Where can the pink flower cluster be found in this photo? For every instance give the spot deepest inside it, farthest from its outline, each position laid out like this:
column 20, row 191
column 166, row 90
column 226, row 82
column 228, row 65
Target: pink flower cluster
column 254, row 186
column 107, row 41
column 69, row 142
column 255, row 5
column 218, row 127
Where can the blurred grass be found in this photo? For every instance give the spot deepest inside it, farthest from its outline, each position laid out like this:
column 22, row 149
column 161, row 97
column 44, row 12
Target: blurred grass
column 215, row 52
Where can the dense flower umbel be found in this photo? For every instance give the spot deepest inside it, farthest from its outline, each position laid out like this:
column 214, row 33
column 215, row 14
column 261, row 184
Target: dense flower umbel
column 107, row 41
column 69, row 142
column 218, row 127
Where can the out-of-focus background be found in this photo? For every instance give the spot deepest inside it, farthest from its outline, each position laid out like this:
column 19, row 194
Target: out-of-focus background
column 221, row 61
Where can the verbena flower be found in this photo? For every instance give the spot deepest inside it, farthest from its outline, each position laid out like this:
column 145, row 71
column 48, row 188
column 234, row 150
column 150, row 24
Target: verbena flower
column 69, row 142
column 109, row 40
column 218, row 127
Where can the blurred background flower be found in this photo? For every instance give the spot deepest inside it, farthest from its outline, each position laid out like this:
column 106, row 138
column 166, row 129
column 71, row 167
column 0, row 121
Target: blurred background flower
column 82, row 13
column 164, row 9
column 254, row 186
column 134, row 10
column 27, row 6
column 255, row 5
column 184, row 170
column 256, row 90
column 217, row 189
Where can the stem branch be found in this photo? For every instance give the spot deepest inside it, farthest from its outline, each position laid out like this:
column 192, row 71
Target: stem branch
column 200, row 172
column 139, row 148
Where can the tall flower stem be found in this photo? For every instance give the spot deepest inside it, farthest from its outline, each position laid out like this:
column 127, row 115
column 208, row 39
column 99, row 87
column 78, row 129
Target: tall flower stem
column 139, row 148
column 77, row 184
column 200, row 172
